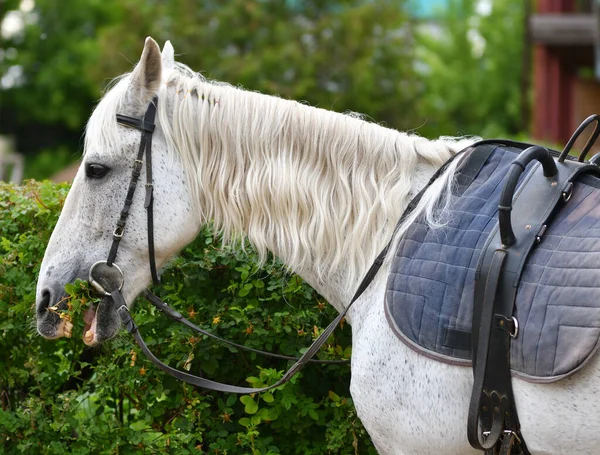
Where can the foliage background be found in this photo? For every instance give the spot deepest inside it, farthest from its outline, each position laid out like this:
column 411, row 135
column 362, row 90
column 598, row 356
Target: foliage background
column 60, row 397
column 457, row 73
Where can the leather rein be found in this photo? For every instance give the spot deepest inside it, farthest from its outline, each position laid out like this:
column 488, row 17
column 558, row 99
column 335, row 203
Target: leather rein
column 107, row 278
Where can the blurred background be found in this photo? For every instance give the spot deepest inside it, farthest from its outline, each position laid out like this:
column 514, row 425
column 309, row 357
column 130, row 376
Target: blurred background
column 496, row 68
column 521, row 69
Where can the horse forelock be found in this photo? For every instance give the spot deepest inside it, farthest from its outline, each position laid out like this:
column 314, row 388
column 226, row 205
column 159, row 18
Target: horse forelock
column 320, row 189
column 101, row 132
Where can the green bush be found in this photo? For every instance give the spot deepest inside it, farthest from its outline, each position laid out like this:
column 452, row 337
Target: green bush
column 62, row 397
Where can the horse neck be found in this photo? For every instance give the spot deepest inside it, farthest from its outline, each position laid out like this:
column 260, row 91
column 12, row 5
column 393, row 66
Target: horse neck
column 321, row 190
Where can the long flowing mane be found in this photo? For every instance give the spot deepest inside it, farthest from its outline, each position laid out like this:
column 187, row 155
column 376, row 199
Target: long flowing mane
column 319, row 188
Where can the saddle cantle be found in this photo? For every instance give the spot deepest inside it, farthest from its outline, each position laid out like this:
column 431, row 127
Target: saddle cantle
column 429, row 296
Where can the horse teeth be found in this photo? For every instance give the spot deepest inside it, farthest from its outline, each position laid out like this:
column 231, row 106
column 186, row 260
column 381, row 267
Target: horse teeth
column 88, row 336
column 65, row 330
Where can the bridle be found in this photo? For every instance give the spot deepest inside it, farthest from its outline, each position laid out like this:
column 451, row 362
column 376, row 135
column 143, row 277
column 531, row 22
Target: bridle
column 111, row 280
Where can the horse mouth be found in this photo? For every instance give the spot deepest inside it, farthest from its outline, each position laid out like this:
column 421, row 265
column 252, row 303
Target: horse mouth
column 101, row 321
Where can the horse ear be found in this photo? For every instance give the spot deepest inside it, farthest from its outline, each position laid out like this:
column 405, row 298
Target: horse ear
column 168, row 56
column 146, row 76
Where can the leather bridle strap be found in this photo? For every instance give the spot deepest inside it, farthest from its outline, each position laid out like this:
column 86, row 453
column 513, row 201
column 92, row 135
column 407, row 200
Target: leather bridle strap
column 178, row 317
column 146, row 126
column 132, row 328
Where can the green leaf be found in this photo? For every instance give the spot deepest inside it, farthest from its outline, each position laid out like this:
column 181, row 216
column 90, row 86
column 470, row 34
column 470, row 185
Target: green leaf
column 244, row 291
column 245, row 421
column 139, row 425
column 250, row 405
column 267, row 397
column 333, row 396
column 70, row 288
column 268, row 414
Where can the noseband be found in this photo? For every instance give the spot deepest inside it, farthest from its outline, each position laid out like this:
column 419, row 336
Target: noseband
column 107, row 278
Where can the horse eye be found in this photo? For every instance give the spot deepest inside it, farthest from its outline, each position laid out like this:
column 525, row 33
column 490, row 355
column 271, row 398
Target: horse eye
column 96, row 171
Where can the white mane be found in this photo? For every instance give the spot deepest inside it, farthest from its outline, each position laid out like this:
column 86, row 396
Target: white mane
column 319, row 188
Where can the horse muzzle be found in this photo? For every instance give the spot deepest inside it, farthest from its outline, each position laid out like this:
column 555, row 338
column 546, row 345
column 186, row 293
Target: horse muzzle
column 101, row 321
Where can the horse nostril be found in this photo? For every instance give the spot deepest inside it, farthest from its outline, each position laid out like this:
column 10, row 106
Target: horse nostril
column 44, row 302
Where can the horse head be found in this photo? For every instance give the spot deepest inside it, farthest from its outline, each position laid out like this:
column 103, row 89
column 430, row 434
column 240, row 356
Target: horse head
column 86, row 227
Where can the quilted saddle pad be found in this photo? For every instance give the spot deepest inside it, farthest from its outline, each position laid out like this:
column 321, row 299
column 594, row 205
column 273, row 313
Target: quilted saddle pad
column 429, row 295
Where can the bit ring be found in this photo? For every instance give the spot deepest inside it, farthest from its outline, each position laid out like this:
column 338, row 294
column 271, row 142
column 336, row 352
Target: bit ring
column 97, row 286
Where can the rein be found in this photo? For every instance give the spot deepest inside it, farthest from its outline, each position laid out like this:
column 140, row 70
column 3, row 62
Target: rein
column 178, row 317
column 111, row 280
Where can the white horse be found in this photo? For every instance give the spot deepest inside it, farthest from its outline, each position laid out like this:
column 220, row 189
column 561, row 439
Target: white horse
column 321, row 190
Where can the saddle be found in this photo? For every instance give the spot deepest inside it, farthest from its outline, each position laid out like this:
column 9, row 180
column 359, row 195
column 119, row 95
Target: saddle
column 510, row 283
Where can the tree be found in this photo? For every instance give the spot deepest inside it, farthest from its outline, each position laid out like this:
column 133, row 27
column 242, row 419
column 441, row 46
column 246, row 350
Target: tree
column 46, row 107
column 343, row 55
column 472, row 69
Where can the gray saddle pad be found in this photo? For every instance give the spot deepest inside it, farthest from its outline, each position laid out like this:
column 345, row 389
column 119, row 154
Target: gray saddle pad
column 429, row 295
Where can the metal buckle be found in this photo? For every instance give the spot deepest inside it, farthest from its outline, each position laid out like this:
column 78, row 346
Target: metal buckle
column 97, row 286
column 516, row 331
column 540, row 234
column 137, row 169
column 117, row 233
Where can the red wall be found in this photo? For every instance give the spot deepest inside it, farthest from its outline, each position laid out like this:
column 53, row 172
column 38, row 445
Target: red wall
column 553, row 85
